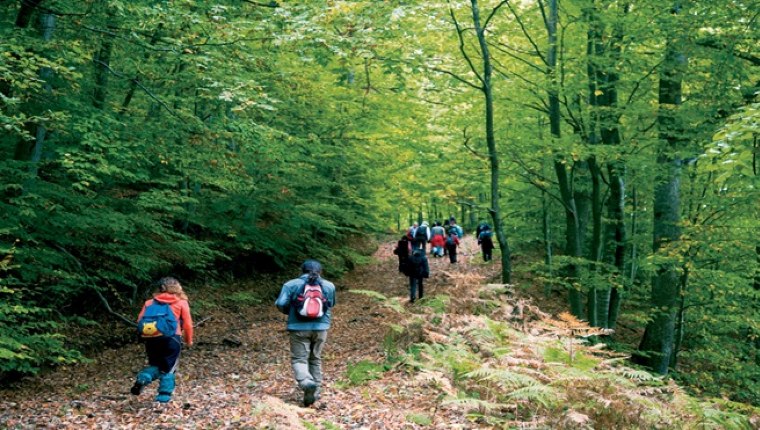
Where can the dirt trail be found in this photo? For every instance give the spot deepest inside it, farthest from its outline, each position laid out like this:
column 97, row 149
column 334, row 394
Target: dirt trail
column 224, row 385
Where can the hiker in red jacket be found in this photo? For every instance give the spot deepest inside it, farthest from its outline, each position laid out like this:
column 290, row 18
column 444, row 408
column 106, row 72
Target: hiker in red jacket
column 163, row 349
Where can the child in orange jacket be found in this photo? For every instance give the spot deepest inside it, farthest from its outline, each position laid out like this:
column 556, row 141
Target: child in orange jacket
column 163, row 349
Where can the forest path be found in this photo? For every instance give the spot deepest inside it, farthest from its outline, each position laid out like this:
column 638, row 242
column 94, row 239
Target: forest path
column 224, row 385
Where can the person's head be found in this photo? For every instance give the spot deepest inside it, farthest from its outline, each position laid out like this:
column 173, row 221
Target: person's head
column 312, row 267
column 424, row 224
column 415, row 224
column 172, row 286
column 404, row 238
column 452, row 220
column 437, row 223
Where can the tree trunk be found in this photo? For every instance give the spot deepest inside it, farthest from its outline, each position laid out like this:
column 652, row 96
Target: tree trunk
column 573, row 246
column 102, row 62
column 493, row 156
column 47, row 24
column 657, row 344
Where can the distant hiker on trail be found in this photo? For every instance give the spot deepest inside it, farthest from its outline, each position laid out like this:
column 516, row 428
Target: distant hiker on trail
column 485, row 240
column 421, row 236
column 308, row 301
column 451, row 246
column 418, row 270
column 412, row 231
column 163, row 321
column 481, row 224
column 440, row 232
column 437, row 243
column 455, row 228
column 403, row 250
column 446, row 227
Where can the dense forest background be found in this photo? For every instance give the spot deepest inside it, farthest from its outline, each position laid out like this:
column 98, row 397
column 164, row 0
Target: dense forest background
column 612, row 145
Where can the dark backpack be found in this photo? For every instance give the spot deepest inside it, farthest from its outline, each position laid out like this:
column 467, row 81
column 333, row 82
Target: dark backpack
column 158, row 320
column 450, row 241
column 421, row 234
column 310, row 302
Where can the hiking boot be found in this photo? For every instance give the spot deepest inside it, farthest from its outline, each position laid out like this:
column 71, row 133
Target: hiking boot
column 144, row 377
column 309, row 394
column 136, row 389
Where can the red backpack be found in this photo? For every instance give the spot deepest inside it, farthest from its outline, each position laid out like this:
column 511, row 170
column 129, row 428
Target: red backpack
column 310, row 302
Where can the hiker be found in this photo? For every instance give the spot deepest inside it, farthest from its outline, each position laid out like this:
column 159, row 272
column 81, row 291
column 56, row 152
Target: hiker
column 437, row 244
column 485, row 240
column 446, row 228
column 438, row 230
column 168, row 310
column 418, row 270
column 455, row 228
column 307, row 330
column 480, row 227
column 421, row 236
column 403, row 251
column 411, row 231
column 451, row 246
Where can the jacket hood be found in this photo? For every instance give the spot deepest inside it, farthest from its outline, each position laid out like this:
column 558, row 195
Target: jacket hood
column 167, row 298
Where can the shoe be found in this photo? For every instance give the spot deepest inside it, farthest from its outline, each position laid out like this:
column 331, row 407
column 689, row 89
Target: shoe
column 136, row 389
column 309, row 392
column 163, row 398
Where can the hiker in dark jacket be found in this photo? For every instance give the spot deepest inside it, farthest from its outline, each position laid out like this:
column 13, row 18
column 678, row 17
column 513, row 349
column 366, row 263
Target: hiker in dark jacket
column 403, row 251
column 418, row 270
column 451, row 245
column 485, row 240
column 307, row 337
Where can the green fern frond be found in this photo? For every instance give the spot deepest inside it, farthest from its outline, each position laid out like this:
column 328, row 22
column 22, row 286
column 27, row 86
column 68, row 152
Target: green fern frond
column 370, row 293
column 538, row 393
column 389, row 302
column 471, row 403
column 505, row 378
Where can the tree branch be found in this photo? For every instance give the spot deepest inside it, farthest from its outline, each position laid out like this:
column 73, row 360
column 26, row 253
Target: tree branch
column 142, row 87
column 94, row 288
column 462, row 49
column 527, row 35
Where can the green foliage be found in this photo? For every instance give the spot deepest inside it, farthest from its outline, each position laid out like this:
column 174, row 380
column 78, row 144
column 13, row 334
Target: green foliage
column 581, row 361
column 363, row 371
column 420, row 419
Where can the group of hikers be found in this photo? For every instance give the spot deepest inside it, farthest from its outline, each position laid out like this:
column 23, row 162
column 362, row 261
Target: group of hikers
column 444, row 240
column 164, row 321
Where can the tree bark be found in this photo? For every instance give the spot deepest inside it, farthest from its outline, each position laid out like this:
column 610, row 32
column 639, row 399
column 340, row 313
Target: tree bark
column 573, row 245
column 657, row 345
column 493, row 156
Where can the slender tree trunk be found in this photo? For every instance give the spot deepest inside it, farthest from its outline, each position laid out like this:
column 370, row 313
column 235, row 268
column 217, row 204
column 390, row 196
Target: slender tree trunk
column 493, row 156
column 47, row 23
column 25, row 12
column 657, row 345
column 102, row 62
column 573, row 246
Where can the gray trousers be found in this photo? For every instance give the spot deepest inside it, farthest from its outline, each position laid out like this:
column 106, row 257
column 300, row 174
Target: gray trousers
column 306, row 355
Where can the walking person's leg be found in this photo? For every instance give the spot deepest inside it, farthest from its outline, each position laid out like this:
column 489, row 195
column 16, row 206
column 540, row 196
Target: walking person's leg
column 318, row 339
column 412, row 288
column 421, row 290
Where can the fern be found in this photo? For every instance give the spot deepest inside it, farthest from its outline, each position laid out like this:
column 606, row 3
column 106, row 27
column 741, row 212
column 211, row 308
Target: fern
column 539, row 393
column 471, row 403
column 391, row 303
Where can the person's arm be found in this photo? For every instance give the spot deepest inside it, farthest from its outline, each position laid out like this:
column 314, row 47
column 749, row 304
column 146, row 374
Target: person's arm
column 187, row 324
column 283, row 301
column 142, row 311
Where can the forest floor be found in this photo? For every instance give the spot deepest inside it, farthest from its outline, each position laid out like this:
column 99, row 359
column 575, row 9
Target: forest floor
column 238, row 374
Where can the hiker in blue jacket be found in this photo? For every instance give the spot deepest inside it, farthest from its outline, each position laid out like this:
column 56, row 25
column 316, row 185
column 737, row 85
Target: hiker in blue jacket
column 307, row 335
